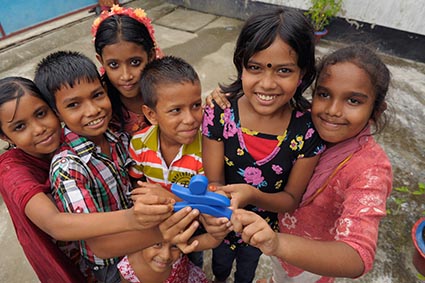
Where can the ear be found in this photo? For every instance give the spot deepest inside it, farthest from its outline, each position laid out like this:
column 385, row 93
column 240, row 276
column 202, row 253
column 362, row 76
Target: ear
column 5, row 138
column 99, row 58
column 302, row 73
column 150, row 114
column 152, row 55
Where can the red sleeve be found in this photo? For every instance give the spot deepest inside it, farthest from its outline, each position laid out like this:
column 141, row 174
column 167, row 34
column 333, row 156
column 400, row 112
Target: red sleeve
column 19, row 183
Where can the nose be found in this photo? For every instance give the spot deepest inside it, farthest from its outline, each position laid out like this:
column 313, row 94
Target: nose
column 126, row 74
column 91, row 109
column 165, row 252
column 334, row 108
column 268, row 81
column 39, row 128
column 189, row 117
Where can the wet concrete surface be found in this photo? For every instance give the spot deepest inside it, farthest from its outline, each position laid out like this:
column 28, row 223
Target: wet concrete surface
column 207, row 42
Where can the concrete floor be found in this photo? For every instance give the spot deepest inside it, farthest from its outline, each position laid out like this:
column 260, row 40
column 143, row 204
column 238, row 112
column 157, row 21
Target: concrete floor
column 204, row 40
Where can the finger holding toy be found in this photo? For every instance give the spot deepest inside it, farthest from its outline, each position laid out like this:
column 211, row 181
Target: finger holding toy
column 180, row 226
column 255, row 231
column 241, row 194
column 151, row 210
column 216, row 227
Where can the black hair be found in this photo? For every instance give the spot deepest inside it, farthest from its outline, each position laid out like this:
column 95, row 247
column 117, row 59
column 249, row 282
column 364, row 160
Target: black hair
column 379, row 76
column 112, row 30
column 63, row 69
column 166, row 70
column 260, row 31
column 14, row 88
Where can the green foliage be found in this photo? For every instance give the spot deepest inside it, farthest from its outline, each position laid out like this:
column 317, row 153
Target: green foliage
column 321, row 11
column 405, row 192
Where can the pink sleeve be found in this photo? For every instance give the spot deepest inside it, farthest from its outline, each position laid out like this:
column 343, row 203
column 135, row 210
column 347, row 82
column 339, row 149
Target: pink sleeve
column 363, row 208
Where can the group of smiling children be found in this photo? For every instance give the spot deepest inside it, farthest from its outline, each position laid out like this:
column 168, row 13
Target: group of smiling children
column 101, row 183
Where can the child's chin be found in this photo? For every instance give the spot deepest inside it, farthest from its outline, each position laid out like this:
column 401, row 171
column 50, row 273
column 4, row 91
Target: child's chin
column 160, row 268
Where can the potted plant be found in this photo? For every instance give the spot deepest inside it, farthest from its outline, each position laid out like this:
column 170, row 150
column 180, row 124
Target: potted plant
column 321, row 12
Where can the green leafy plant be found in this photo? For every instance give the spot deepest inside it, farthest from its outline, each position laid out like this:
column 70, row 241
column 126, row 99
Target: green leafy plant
column 405, row 191
column 321, row 12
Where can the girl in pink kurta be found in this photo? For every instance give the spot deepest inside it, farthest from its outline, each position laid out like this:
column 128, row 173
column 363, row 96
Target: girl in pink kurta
column 334, row 232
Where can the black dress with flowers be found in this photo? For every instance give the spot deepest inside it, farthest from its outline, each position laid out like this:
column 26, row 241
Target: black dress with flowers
column 270, row 174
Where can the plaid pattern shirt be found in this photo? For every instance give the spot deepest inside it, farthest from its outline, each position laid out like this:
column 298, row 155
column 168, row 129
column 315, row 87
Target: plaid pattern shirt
column 84, row 180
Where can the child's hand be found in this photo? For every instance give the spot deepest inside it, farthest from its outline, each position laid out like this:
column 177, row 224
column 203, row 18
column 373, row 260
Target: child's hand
column 179, row 228
column 151, row 189
column 219, row 97
column 216, row 227
column 241, row 194
column 255, row 231
column 150, row 210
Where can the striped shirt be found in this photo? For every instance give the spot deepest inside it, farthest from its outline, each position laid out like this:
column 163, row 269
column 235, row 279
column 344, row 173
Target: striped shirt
column 84, row 180
column 148, row 162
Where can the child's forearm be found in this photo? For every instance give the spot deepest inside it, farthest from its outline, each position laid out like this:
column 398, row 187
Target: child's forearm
column 41, row 210
column 124, row 243
column 326, row 258
column 278, row 202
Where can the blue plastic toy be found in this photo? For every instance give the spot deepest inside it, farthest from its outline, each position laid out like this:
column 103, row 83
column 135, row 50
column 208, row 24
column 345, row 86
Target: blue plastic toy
column 199, row 198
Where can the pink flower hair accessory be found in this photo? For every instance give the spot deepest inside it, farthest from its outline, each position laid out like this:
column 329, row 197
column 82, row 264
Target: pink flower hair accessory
column 138, row 14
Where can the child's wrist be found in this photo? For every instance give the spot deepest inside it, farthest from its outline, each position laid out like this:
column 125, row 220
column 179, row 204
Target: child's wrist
column 130, row 219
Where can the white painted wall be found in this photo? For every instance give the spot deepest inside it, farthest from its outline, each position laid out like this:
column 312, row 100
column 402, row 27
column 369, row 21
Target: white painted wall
column 406, row 15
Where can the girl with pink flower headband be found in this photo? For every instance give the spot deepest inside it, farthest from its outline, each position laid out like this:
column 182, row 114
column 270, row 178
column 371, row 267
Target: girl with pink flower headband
column 124, row 42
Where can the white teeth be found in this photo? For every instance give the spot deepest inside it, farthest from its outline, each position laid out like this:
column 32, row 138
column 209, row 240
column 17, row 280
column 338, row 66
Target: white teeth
column 94, row 122
column 265, row 97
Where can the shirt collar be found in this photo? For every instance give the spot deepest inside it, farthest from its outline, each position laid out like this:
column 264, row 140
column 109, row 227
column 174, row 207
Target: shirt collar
column 152, row 142
column 82, row 145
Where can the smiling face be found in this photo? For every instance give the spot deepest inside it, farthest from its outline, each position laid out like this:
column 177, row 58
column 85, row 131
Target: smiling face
column 124, row 62
column 85, row 109
column 271, row 77
column 161, row 256
column 30, row 124
column 178, row 112
column 343, row 102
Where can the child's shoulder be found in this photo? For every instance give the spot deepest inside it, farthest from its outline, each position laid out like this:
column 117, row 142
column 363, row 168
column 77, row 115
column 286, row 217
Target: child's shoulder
column 371, row 153
column 195, row 147
column 145, row 135
column 21, row 161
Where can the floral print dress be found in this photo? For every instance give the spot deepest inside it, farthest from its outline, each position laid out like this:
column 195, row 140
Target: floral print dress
column 270, row 174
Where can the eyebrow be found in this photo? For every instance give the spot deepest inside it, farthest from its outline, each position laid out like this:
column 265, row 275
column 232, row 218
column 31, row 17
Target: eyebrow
column 76, row 97
column 130, row 58
column 352, row 93
column 360, row 94
column 14, row 122
column 274, row 65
